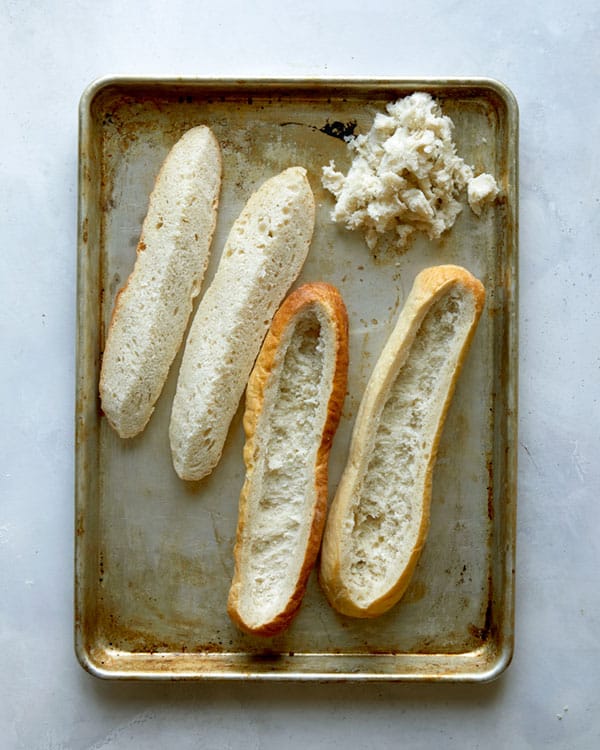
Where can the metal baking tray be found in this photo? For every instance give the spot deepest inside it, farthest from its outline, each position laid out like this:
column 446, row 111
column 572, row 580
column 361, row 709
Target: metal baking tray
column 153, row 553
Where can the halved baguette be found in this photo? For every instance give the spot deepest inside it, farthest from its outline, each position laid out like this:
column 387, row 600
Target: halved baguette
column 293, row 405
column 380, row 515
column 152, row 310
column 262, row 257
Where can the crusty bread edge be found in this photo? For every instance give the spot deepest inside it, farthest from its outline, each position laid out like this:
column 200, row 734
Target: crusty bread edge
column 310, row 294
column 431, row 284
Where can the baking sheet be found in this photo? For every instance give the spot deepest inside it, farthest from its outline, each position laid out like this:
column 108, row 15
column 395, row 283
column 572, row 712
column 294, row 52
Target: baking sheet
column 154, row 554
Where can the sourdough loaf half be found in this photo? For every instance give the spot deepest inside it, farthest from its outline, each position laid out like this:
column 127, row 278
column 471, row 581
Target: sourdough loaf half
column 293, row 405
column 380, row 515
column 151, row 312
column 263, row 255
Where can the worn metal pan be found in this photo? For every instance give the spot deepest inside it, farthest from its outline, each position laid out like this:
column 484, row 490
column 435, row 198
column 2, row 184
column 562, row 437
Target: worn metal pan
column 153, row 553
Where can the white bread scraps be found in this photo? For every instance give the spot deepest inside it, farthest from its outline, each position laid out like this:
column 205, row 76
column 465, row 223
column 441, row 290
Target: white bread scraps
column 263, row 255
column 152, row 310
column 379, row 518
column 294, row 401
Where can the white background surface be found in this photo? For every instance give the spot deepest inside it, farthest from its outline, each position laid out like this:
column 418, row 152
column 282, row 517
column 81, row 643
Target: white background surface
column 549, row 54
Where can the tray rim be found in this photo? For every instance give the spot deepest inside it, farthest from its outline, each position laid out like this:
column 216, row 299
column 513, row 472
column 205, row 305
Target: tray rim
column 504, row 653
column 503, row 91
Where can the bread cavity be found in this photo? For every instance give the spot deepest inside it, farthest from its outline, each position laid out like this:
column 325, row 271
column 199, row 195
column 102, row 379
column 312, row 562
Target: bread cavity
column 293, row 406
column 387, row 512
column 379, row 518
column 283, row 491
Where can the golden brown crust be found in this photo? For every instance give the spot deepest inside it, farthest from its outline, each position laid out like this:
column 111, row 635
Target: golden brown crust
column 429, row 286
column 329, row 300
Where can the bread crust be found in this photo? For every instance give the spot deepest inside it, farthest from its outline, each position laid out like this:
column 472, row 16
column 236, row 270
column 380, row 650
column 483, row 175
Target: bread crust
column 429, row 287
column 327, row 299
column 152, row 309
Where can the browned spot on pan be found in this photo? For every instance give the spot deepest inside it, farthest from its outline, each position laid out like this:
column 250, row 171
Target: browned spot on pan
column 490, row 488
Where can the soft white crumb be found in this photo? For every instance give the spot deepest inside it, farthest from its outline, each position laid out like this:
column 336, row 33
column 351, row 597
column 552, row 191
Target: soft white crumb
column 481, row 191
column 405, row 176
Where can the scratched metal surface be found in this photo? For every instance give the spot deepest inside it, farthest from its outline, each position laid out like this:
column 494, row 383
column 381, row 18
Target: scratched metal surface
column 153, row 553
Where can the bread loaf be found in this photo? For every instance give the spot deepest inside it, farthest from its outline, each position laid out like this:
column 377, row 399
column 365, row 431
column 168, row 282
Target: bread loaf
column 380, row 514
column 263, row 255
column 293, row 405
column 151, row 312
